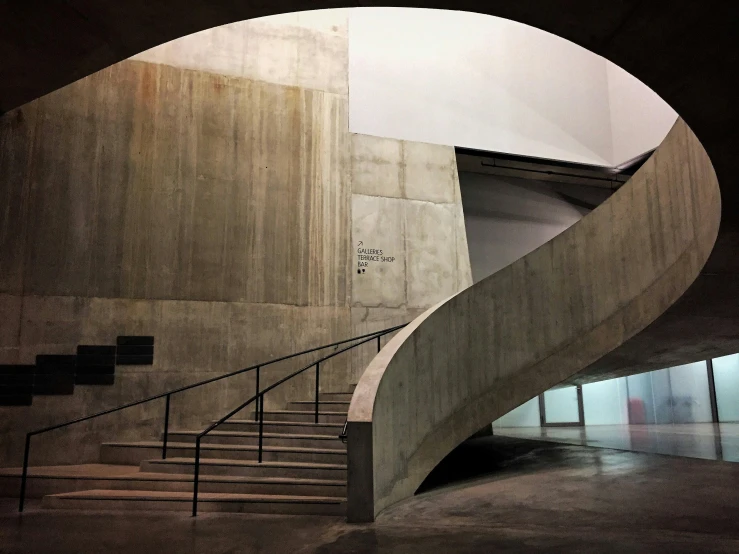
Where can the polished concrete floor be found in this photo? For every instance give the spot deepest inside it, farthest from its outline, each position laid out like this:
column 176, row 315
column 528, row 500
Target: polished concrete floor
column 707, row 441
column 493, row 494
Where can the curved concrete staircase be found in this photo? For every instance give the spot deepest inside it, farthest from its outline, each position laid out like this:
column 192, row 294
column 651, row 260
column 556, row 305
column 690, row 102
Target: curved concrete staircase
column 303, row 470
column 553, row 316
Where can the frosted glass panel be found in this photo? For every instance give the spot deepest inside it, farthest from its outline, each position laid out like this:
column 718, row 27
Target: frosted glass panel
column 604, row 402
column 641, row 399
column 560, row 405
column 726, row 377
column 690, row 400
column 662, row 395
column 526, row 415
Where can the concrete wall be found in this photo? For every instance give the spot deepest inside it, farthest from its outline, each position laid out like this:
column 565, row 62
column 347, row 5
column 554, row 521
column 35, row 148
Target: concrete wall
column 406, row 204
column 202, row 193
column 209, row 211
column 532, row 325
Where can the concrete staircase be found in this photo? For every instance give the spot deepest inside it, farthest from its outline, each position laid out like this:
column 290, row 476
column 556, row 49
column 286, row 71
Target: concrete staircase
column 303, row 470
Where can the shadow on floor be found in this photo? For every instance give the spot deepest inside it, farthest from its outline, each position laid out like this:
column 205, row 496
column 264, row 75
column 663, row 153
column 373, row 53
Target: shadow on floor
column 493, row 455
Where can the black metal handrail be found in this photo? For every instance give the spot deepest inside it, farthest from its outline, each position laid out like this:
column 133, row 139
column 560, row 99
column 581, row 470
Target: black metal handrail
column 259, row 411
column 168, row 395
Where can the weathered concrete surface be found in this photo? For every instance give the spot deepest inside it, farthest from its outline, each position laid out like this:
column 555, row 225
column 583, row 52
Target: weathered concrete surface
column 156, row 182
column 535, row 323
column 438, row 262
column 202, row 193
column 209, row 211
column 367, row 320
column 10, row 308
column 379, row 223
column 194, row 341
column 306, row 50
column 406, row 203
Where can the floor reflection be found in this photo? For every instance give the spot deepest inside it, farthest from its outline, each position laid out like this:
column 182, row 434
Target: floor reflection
column 708, row 441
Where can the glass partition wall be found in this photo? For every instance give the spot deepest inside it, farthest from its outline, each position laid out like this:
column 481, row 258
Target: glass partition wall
column 700, row 392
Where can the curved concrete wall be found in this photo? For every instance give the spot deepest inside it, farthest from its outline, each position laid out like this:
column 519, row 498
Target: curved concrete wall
column 530, row 326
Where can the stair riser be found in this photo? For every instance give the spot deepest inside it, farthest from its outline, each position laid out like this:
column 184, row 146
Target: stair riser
column 184, row 506
column 259, row 471
column 347, row 396
column 127, row 455
column 322, row 406
column 253, row 427
column 329, row 442
column 305, row 418
column 38, row 488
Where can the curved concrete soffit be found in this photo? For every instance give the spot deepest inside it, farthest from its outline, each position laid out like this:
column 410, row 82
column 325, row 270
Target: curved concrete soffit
column 537, row 322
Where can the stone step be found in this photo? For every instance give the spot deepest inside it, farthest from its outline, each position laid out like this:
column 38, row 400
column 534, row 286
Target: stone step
column 295, row 427
column 219, row 466
column 59, row 479
column 102, row 499
column 133, row 453
column 252, row 438
column 323, row 405
column 304, row 416
column 347, row 396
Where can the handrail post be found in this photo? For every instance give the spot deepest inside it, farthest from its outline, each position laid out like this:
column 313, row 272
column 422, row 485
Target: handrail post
column 24, row 476
column 166, row 429
column 256, row 411
column 378, row 343
column 318, row 375
column 196, row 478
column 260, row 399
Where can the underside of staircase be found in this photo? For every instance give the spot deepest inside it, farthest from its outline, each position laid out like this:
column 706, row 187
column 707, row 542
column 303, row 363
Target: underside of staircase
column 304, row 468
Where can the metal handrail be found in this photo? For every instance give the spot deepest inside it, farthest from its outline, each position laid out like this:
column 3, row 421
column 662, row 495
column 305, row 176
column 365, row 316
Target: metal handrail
column 168, row 395
column 259, row 398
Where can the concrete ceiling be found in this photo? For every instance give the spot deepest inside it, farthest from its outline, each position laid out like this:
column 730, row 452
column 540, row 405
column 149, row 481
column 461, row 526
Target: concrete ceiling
column 684, row 50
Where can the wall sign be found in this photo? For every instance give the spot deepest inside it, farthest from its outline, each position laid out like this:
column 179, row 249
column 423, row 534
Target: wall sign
column 373, row 256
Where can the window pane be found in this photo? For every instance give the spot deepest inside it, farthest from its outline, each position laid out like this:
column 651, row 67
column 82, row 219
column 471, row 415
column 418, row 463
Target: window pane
column 641, row 399
column 690, row 399
column 662, row 395
column 726, row 377
column 604, row 402
column 560, row 405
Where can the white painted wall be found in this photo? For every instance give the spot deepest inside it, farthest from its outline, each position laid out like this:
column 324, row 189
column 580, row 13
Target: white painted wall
column 476, row 81
column 606, row 402
column 640, row 119
column 482, row 82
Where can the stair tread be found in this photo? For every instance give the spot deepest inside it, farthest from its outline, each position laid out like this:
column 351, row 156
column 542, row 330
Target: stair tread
column 91, row 472
column 109, row 494
column 227, row 447
column 303, row 412
column 301, row 423
column 313, row 402
column 248, row 463
column 249, row 434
